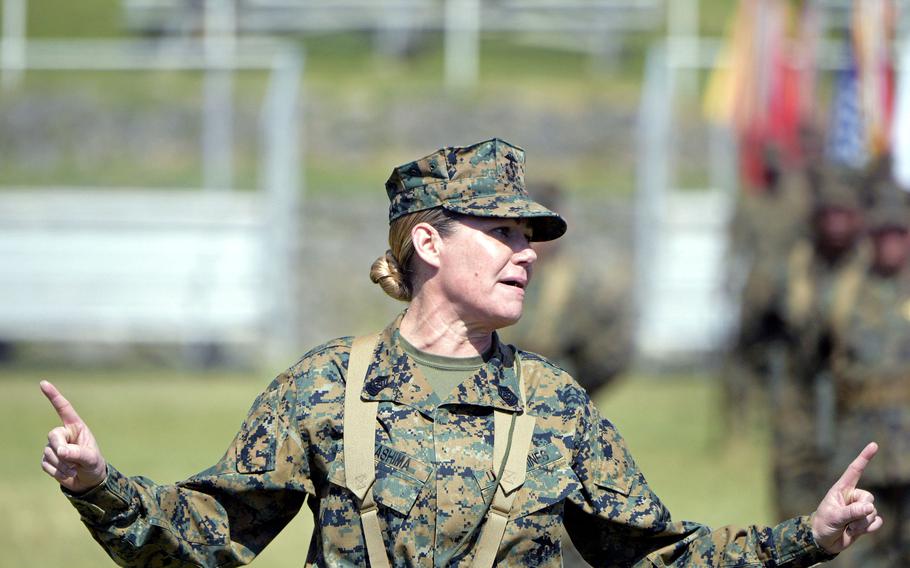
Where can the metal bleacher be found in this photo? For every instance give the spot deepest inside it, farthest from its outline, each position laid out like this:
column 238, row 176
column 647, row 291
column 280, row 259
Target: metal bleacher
column 210, row 265
column 132, row 265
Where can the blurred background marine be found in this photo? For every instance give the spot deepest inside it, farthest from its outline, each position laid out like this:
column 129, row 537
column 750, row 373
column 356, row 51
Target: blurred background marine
column 768, row 219
column 870, row 321
column 577, row 310
column 802, row 396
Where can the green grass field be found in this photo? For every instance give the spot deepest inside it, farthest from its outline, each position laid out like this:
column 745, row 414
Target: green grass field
column 167, row 426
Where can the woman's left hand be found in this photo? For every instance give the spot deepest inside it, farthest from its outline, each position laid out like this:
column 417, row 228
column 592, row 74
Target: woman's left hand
column 846, row 513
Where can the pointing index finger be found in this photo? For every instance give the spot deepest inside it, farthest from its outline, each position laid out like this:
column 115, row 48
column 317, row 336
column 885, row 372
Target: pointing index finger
column 854, row 471
column 64, row 409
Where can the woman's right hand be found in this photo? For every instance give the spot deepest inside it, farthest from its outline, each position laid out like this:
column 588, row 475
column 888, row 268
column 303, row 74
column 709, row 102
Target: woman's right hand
column 71, row 456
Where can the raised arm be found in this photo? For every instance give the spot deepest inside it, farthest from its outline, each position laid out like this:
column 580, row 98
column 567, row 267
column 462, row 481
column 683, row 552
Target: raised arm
column 846, row 512
column 71, row 456
column 617, row 521
column 223, row 516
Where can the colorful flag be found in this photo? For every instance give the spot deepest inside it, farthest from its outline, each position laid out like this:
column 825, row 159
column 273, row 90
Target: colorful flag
column 760, row 86
column 873, row 34
column 846, row 127
column 805, row 59
column 730, row 86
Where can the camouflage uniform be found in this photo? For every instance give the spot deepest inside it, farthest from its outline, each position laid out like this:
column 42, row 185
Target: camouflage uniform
column 872, row 378
column 433, row 459
column 433, row 465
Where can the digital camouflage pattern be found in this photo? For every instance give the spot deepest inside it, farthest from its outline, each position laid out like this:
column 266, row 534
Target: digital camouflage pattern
column 484, row 179
column 433, row 465
column 872, row 376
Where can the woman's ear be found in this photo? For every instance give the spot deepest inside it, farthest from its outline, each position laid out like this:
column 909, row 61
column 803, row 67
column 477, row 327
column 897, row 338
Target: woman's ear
column 426, row 241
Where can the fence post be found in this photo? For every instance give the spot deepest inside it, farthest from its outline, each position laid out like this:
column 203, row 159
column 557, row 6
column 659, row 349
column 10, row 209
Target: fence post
column 12, row 63
column 218, row 115
column 282, row 183
column 462, row 44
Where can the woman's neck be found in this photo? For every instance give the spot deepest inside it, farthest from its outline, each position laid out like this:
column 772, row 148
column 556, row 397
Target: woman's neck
column 435, row 329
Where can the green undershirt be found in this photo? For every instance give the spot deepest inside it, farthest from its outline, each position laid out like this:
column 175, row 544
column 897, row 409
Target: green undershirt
column 443, row 373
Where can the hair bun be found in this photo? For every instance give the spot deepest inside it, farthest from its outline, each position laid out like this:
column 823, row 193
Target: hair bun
column 388, row 274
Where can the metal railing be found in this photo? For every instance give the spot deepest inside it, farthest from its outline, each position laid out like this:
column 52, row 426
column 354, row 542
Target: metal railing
column 228, row 267
column 589, row 23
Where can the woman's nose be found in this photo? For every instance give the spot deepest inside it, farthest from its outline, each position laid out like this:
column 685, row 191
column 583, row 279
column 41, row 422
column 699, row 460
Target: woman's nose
column 525, row 255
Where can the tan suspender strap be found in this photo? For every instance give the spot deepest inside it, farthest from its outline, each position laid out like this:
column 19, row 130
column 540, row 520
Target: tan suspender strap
column 359, row 446
column 369, row 518
column 800, row 285
column 494, row 529
column 846, row 289
column 513, row 476
column 359, row 420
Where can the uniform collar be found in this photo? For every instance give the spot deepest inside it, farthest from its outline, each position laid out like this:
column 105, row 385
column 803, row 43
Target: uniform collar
column 394, row 376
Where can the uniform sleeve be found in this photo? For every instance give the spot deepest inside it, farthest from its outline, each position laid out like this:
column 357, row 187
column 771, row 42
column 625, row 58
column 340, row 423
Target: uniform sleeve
column 616, row 520
column 222, row 516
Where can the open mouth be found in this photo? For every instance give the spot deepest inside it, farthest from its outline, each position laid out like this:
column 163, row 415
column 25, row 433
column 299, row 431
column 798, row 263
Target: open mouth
column 516, row 283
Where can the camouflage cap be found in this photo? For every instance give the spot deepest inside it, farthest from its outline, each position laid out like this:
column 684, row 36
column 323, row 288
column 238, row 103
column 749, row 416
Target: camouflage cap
column 883, row 219
column 838, row 188
column 891, row 211
column 484, row 179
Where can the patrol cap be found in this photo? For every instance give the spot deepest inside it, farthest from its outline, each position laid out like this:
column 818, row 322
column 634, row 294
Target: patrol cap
column 883, row 218
column 891, row 212
column 484, row 179
column 838, row 188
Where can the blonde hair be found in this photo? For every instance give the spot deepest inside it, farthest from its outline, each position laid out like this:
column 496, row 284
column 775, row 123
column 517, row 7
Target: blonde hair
column 394, row 271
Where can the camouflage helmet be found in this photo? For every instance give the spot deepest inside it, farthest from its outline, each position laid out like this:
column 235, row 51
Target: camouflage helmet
column 484, row 179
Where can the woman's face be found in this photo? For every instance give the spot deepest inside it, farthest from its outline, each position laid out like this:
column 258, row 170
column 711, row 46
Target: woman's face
column 484, row 268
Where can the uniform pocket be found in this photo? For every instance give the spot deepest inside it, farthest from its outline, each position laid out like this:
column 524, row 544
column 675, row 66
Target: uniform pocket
column 545, row 486
column 615, row 476
column 395, row 491
column 399, row 478
column 549, row 481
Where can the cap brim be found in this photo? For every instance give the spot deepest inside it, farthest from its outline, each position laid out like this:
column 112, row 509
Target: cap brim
column 546, row 225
